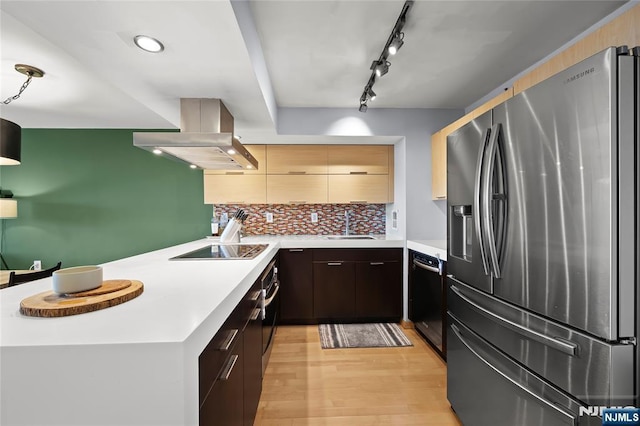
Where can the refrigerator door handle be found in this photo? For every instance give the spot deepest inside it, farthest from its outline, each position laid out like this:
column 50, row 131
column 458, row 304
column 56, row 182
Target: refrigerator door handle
column 478, row 201
column 491, row 365
column 563, row 346
column 487, row 196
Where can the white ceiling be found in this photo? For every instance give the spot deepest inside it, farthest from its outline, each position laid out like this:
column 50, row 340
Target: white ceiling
column 315, row 54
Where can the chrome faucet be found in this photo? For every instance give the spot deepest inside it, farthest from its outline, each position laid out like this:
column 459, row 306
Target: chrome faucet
column 346, row 219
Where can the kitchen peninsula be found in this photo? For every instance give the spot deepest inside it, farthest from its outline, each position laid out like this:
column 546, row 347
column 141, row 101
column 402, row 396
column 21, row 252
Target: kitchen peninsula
column 135, row 363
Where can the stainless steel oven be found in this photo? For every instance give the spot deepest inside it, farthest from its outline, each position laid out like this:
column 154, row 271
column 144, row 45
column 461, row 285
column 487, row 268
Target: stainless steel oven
column 270, row 306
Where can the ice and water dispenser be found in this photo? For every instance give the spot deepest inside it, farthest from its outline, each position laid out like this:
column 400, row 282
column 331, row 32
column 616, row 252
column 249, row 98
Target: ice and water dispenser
column 461, row 231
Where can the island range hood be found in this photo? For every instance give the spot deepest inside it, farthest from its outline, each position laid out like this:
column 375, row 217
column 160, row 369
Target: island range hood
column 205, row 139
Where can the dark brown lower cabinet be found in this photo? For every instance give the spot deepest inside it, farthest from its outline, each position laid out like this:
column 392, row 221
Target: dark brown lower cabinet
column 252, row 338
column 296, row 285
column 230, row 367
column 379, row 290
column 334, row 290
column 357, row 284
column 224, row 405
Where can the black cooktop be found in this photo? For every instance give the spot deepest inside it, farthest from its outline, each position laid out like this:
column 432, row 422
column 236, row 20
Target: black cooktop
column 223, row 251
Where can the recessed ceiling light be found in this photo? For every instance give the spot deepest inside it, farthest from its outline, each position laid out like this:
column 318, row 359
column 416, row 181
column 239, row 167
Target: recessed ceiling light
column 231, row 152
column 157, row 151
column 193, row 166
column 148, row 44
column 249, row 166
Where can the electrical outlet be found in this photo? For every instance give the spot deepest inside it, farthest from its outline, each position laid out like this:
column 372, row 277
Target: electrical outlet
column 269, row 217
column 37, row 265
column 314, row 217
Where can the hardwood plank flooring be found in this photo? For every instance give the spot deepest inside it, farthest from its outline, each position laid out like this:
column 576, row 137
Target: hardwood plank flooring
column 307, row 385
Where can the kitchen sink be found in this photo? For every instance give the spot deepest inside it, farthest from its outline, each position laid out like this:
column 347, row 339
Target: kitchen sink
column 351, row 237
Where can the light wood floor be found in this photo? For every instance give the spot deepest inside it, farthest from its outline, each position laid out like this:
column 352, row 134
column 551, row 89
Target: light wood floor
column 307, row 385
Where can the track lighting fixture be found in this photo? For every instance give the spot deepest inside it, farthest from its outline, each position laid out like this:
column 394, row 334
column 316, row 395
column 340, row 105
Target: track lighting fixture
column 396, row 43
column 380, row 66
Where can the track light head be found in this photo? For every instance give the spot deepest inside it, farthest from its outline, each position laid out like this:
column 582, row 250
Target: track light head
column 363, row 108
column 371, row 93
column 396, row 43
column 380, row 67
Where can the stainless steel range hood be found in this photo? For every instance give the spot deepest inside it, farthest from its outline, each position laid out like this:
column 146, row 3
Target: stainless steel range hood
column 205, row 139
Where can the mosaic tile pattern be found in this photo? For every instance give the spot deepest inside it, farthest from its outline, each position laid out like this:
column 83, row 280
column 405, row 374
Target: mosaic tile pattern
column 295, row 219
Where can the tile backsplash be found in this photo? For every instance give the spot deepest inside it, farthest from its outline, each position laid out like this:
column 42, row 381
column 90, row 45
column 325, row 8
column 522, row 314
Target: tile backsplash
column 295, row 219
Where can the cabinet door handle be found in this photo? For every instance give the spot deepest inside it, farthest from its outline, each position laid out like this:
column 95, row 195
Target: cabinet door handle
column 358, row 202
column 334, row 264
column 231, row 336
column 255, row 296
column 234, row 173
column 297, row 173
column 358, row 173
column 226, row 372
column 441, row 197
column 297, row 201
column 376, row 263
column 295, row 250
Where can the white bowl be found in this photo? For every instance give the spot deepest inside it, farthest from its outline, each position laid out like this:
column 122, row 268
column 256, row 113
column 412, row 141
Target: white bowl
column 79, row 278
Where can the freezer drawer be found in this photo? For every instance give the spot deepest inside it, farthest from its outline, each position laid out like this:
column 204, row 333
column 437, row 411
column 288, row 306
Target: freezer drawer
column 486, row 387
column 592, row 370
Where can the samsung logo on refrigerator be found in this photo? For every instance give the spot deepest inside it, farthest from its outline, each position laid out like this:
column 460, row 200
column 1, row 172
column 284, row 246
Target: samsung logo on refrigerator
column 580, row 75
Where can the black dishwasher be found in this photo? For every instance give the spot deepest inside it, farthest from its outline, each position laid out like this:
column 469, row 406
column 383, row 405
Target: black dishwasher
column 427, row 299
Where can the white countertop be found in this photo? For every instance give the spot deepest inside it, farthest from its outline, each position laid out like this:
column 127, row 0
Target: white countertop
column 140, row 356
column 435, row 248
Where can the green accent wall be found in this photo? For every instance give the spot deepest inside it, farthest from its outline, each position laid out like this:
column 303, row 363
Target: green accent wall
column 88, row 196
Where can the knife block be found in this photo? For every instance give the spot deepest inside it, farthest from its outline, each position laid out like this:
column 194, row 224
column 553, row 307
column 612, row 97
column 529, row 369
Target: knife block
column 231, row 233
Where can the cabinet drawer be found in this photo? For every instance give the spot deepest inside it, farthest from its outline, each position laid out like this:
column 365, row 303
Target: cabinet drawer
column 361, row 254
column 366, row 189
column 224, row 405
column 358, row 159
column 296, row 189
column 296, row 159
column 214, row 355
column 235, row 189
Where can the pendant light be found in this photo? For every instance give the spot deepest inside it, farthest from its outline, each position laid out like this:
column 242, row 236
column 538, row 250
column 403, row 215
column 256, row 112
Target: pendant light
column 10, row 132
column 10, row 141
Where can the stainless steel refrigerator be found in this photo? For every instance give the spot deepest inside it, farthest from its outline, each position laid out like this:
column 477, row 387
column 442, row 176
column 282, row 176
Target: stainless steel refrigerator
column 543, row 250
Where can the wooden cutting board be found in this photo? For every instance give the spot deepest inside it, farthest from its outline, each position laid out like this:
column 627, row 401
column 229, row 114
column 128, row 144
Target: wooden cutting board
column 49, row 304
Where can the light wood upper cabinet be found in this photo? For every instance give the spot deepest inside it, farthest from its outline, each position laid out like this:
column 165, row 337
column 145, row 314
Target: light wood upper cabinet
column 365, row 189
column 438, row 166
column 296, row 189
column 358, row 159
column 296, row 174
column 259, row 152
column 296, row 159
column 234, row 189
